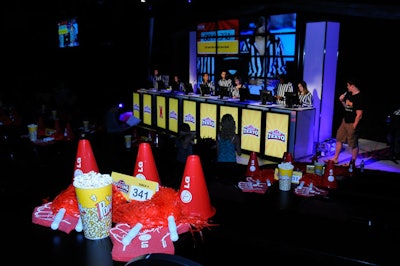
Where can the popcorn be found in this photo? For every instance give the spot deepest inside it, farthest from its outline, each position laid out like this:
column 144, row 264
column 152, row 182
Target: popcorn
column 92, row 180
column 286, row 165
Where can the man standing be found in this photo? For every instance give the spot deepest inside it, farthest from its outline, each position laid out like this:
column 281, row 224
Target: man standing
column 348, row 130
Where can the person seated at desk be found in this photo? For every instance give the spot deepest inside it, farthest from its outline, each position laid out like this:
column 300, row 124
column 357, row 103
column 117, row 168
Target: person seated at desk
column 240, row 90
column 224, row 85
column 282, row 87
column 177, row 85
column 157, row 80
column 305, row 96
column 206, row 87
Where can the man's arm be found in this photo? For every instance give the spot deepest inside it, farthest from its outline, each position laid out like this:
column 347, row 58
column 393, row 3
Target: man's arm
column 359, row 114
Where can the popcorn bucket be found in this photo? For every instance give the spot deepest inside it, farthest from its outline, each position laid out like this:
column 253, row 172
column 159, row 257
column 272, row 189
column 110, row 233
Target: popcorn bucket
column 319, row 166
column 33, row 128
column 285, row 176
column 95, row 204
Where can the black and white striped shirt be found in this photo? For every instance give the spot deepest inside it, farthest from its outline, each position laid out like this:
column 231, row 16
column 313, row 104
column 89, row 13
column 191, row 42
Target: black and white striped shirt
column 281, row 89
column 306, row 99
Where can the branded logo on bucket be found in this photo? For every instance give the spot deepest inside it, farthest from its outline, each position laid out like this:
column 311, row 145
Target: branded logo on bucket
column 103, row 209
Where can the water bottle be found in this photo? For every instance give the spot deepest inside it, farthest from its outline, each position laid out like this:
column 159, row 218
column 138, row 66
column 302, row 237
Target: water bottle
column 362, row 165
column 351, row 169
column 156, row 140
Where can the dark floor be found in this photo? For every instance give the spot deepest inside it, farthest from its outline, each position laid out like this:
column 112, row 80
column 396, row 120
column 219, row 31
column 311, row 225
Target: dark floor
column 356, row 224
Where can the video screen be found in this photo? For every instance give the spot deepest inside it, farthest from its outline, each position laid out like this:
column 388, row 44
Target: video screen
column 257, row 47
column 68, row 33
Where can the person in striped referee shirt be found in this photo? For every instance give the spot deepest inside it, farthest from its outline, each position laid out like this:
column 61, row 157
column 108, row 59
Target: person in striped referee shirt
column 283, row 86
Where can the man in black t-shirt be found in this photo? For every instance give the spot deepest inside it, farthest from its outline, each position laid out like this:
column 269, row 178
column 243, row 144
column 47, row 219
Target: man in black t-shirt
column 348, row 131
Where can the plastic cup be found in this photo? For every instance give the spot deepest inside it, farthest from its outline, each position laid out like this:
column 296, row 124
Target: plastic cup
column 128, row 141
column 318, row 168
column 94, row 195
column 54, row 114
column 285, row 171
column 32, row 128
column 86, row 125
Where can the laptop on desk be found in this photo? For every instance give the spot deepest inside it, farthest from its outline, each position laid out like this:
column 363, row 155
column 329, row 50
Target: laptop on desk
column 223, row 91
column 188, row 87
column 204, row 89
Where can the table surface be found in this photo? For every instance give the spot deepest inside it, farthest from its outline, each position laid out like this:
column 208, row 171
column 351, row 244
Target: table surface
column 355, row 224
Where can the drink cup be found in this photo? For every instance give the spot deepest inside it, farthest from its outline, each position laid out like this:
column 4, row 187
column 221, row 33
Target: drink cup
column 128, row 141
column 285, row 171
column 32, row 128
column 54, row 114
column 86, row 125
column 318, row 168
column 94, row 195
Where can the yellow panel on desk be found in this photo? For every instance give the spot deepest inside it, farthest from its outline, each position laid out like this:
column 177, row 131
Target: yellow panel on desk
column 189, row 114
column 251, row 130
column 147, row 107
column 136, row 104
column 230, row 110
column 161, row 109
column 208, row 120
column 173, row 115
column 276, row 134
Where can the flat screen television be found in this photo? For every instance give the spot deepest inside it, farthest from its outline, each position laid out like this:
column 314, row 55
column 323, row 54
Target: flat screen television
column 68, row 33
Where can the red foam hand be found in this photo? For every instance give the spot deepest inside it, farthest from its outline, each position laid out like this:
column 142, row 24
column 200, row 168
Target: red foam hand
column 44, row 215
column 154, row 240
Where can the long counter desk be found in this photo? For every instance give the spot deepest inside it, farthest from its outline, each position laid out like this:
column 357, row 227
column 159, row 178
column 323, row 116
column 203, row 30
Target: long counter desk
column 269, row 130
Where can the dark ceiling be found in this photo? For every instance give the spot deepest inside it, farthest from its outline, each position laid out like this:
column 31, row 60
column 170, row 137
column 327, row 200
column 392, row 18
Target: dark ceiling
column 368, row 8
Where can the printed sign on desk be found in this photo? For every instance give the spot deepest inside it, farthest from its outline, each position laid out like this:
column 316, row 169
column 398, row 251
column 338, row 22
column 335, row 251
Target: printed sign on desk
column 161, row 109
column 173, row 115
column 147, row 107
column 276, row 134
column 230, row 110
column 208, row 120
column 189, row 114
column 136, row 105
column 251, row 130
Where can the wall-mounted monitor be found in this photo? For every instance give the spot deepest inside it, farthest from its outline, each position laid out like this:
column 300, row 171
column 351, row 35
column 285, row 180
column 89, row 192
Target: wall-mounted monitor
column 257, row 47
column 68, row 33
